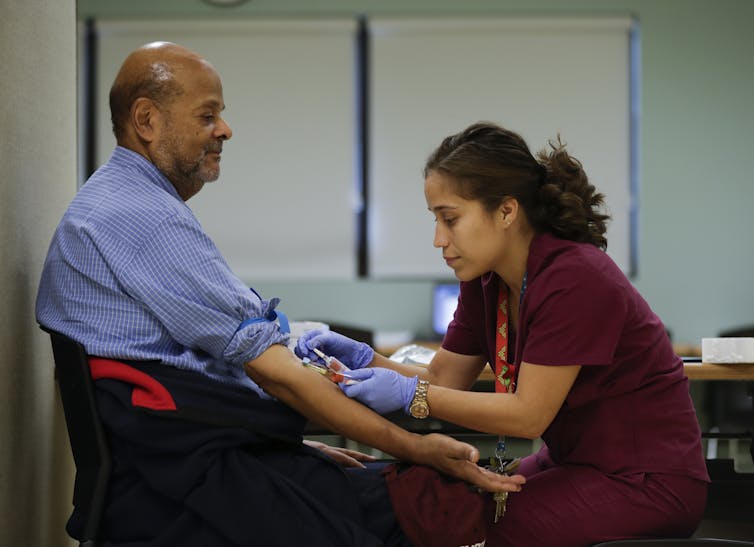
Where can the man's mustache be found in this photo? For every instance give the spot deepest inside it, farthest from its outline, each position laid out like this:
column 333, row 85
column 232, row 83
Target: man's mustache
column 217, row 148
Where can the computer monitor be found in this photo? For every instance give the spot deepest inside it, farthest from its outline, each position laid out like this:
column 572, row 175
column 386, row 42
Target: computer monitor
column 444, row 302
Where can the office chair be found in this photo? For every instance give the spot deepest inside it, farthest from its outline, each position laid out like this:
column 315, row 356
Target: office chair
column 88, row 441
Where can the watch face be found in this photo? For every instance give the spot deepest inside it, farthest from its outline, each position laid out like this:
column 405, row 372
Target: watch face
column 419, row 410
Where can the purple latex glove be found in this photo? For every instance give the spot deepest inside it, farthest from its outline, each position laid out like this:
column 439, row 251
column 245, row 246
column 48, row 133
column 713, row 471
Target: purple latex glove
column 381, row 389
column 351, row 353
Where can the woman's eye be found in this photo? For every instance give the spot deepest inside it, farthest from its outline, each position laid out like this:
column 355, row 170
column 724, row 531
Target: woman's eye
column 449, row 221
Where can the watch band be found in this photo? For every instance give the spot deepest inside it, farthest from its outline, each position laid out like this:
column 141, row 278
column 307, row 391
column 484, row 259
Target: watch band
column 419, row 407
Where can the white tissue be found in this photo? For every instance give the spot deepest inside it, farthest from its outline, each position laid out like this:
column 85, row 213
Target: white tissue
column 728, row 350
column 414, row 354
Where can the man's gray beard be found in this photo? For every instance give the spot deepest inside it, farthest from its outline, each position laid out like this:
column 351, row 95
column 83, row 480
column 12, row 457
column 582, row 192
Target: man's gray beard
column 176, row 171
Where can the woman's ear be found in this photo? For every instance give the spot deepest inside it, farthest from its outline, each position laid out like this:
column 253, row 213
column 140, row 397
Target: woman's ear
column 145, row 118
column 508, row 210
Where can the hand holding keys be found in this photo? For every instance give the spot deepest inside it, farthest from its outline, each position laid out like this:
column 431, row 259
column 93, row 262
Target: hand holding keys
column 502, row 467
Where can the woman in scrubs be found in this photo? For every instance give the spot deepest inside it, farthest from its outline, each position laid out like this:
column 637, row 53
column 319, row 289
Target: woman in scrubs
column 580, row 359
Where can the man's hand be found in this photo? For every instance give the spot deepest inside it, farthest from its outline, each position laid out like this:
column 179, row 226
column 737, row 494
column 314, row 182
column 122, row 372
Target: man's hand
column 459, row 459
column 342, row 456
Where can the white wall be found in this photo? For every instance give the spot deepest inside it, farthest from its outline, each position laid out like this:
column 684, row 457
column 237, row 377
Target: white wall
column 695, row 261
column 38, row 151
column 283, row 208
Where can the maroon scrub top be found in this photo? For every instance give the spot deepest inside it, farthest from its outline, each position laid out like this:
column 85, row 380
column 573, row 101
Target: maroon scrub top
column 629, row 410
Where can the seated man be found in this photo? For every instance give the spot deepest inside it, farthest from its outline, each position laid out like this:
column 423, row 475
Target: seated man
column 219, row 458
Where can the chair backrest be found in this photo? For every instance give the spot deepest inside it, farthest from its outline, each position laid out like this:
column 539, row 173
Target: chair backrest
column 88, row 441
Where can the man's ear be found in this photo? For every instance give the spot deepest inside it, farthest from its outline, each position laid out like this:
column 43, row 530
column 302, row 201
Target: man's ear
column 145, row 118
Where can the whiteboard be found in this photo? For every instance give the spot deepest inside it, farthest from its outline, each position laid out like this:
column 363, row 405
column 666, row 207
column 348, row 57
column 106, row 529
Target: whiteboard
column 537, row 76
column 284, row 206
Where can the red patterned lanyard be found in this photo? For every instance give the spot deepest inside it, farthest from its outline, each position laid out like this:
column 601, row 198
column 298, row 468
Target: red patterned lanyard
column 505, row 372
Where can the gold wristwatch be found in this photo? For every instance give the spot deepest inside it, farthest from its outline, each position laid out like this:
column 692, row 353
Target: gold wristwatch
column 419, row 407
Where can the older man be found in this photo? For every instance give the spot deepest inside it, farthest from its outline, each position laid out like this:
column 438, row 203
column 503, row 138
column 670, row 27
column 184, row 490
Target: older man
column 130, row 274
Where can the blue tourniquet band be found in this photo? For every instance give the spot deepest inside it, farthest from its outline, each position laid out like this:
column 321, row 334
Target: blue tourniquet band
column 272, row 315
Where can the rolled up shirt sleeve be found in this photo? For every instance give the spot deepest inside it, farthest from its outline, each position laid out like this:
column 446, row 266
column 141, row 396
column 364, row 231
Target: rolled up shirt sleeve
column 251, row 340
column 180, row 275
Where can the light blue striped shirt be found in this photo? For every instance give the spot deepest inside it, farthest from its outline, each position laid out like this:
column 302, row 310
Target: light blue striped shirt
column 130, row 274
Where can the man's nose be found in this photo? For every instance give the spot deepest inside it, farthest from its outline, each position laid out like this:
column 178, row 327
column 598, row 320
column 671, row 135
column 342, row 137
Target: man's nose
column 223, row 130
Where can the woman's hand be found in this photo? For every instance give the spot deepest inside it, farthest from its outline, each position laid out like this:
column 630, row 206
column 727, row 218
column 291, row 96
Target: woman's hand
column 351, row 353
column 342, row 456
column 381, row 389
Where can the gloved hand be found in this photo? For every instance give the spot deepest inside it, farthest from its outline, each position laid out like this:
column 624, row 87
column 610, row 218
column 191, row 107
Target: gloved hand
column 381, row 389
column 351, row 353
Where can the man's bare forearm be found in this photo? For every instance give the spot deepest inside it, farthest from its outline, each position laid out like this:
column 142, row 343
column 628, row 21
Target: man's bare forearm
column 280, row 374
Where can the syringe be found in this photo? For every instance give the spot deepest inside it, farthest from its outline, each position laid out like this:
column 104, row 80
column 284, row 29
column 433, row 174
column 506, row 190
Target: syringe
column 339, row 370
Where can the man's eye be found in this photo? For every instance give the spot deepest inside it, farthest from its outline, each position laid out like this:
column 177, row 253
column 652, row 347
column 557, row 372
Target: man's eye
column 449, row 221
column 209, row 117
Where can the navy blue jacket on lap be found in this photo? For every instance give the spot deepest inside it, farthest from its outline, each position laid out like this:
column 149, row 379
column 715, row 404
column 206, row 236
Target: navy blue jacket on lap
column 199, row 463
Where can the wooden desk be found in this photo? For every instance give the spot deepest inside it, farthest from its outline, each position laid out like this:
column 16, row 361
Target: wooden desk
column 718, row 371
column 694, row 371
column 685, row 350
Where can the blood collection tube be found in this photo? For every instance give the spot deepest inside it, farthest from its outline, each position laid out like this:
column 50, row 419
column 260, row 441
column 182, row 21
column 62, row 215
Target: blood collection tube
column 339, row 372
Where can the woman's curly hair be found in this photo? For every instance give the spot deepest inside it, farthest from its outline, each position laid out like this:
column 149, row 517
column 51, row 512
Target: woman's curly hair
column 488, row 163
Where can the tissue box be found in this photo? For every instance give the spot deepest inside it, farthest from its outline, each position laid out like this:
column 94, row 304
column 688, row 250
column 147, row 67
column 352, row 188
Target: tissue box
column 728, row 350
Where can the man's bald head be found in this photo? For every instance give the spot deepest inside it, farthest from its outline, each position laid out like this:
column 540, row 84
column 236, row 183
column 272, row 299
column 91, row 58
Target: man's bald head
column 153, row 71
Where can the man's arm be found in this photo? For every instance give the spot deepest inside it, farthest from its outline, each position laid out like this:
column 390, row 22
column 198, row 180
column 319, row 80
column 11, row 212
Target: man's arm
column 280, row 374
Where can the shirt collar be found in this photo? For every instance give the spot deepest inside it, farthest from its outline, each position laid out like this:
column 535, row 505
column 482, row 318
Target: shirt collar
column 126, row 158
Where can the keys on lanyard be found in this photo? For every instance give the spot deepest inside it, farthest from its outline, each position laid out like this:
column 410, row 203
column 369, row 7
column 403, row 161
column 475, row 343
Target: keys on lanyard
column 500, row 500
column 499, row 464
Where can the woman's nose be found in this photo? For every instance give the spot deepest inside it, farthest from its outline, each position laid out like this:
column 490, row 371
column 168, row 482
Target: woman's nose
column 440, row 239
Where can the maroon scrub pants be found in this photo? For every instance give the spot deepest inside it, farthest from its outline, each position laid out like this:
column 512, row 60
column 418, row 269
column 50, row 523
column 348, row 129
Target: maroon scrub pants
column 570, row 505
